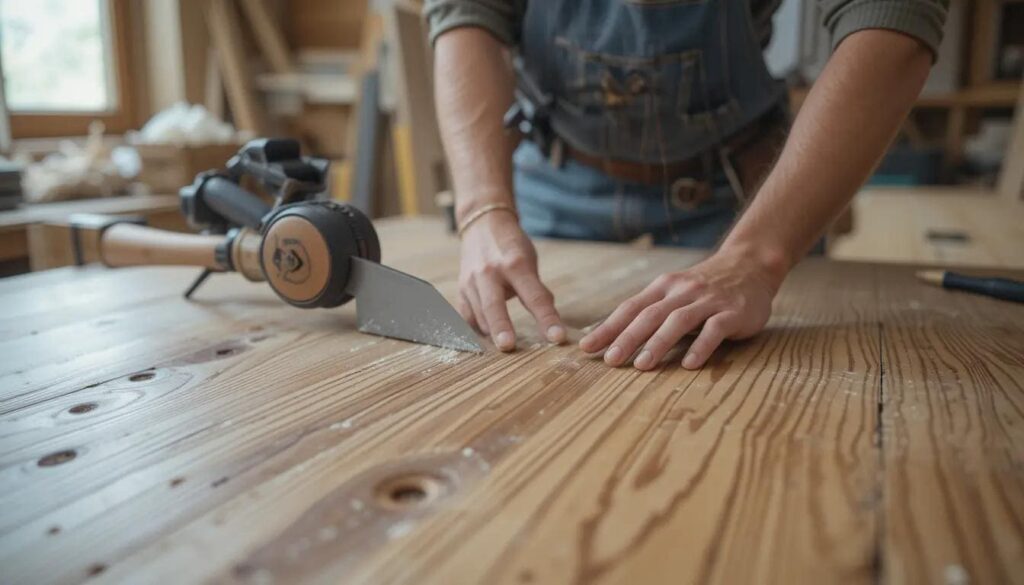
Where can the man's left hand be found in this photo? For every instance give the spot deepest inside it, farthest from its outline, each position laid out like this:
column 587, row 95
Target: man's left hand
column 730, row 292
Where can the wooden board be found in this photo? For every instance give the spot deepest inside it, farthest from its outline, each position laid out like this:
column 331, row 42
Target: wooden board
column 1011, row 175
column 13, row 243
column 226, row 38
column 872, row 434
column 268, row 35
column 420, row 161
column 935, row 226
column 952, row 441
column 324, row 24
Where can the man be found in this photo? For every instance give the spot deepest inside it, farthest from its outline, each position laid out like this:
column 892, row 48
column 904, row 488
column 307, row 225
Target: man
column 659, row 117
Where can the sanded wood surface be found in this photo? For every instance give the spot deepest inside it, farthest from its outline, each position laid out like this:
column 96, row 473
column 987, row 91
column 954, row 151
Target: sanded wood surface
column 874, row 433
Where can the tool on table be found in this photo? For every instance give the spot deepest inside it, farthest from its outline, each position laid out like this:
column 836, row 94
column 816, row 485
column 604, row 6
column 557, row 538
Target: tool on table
column 313, row 253
column 1000, row 288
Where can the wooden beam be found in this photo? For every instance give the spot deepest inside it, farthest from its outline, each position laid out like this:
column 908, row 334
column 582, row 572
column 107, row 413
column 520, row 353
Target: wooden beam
column 214, row 86
column 422, row 166
column 226, row 38
column 1011, row 176
column 268, row 36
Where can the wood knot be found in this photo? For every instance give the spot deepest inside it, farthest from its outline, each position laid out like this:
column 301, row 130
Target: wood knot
column 57, row 458
column 83, row 408
column 414, row 490
column 142, row 377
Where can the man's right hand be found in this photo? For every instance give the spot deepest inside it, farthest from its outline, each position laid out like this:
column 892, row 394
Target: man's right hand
column 499, row 262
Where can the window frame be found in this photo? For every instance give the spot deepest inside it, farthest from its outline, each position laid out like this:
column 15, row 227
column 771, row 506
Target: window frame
column 52, row 124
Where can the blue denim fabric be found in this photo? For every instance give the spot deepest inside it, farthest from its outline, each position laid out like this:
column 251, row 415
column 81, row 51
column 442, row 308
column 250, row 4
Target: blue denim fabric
column 579, row 202
column 648, row 80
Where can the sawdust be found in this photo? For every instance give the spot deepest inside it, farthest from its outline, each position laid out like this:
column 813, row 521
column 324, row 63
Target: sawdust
column 399, row 530
column 363, row 346
column 341, row 425
column 441, row 355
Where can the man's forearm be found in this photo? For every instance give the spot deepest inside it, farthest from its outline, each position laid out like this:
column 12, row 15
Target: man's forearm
column 844, row 126
column 474, row 86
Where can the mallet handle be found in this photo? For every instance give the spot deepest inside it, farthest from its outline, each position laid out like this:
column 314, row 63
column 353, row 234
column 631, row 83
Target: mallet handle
column 125, row 244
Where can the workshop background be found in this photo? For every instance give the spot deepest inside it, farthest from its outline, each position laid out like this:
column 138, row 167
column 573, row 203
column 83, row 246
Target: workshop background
column 110, row 106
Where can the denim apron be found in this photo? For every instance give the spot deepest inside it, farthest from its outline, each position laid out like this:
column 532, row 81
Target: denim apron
column 645, row 81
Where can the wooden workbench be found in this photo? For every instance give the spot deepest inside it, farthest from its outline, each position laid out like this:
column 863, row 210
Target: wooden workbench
column 874, row 432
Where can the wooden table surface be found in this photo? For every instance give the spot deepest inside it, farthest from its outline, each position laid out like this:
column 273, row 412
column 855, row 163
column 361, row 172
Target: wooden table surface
column 874, row 432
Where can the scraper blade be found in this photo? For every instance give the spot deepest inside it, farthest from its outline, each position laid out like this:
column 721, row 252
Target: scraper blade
column 395, row 304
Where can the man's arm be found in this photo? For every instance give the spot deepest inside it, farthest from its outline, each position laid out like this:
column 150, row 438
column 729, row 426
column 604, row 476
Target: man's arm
column 843, row 129
column 850, row 116
column 474, row 85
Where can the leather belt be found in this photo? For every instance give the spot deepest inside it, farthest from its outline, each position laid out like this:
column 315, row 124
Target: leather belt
column 637, row 172
column 697, row 168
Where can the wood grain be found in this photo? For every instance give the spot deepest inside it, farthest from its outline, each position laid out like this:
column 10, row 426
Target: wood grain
column 872, row 433
column 953, row 434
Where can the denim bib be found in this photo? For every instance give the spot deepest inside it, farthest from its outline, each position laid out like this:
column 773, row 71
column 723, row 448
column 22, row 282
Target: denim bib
column 648, row 80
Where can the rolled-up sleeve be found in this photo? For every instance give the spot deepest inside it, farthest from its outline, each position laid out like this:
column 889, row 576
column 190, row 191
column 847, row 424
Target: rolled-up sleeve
column 501, row 18
column 922, row 19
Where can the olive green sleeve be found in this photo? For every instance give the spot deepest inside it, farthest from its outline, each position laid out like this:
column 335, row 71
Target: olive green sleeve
column 501, row 18
column 921, row 19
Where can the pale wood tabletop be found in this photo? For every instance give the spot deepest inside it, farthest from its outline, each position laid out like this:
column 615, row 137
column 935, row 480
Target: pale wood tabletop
column 874, row 433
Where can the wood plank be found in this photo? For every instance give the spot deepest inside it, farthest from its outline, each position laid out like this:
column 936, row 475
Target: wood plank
column 325, row 24
column 226, row 38
column 268, row 36
column 13, row 243
column 935, row 226
column 422, row 169
column 1011, row 175
column 953, row 435
column 287, row 447
column 213, row 87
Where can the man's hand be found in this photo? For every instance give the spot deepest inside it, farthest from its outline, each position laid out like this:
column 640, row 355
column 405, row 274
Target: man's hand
column 851, row 114
column 499, row 262
column 731, row 293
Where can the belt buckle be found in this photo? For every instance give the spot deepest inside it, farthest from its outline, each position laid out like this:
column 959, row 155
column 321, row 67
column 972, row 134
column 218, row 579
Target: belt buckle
column 688, row 193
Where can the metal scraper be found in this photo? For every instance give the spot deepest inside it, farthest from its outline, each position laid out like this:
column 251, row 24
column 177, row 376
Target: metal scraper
column 395, row 304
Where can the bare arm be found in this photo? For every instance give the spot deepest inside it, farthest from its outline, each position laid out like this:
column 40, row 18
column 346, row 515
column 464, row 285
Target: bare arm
column 474, row 86
column 852, row 113
column 844, row 127
column 473, row 90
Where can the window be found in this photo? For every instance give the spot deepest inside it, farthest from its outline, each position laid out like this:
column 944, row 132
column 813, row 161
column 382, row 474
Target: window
column 65, row 65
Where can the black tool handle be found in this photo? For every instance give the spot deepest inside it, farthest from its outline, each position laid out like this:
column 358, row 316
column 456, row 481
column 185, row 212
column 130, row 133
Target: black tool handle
column 1000, row 288
column 235, row 203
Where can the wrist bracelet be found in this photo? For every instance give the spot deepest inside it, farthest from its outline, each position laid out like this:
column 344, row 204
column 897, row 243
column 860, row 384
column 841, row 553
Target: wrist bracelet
column 484, row 211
